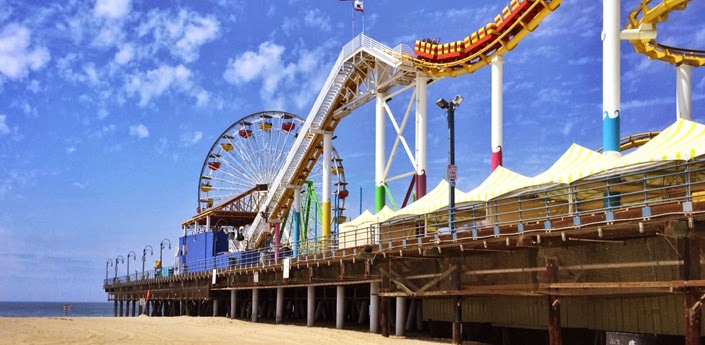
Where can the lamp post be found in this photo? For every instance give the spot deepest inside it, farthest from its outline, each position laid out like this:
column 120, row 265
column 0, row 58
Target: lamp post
column 452, row 176
column 117, row 260
column 144, row 256
column 134, row 257
column 449, row 107
column 108, row 263
column 161, row 248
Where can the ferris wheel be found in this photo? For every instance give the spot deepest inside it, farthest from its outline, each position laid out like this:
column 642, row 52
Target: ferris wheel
column 251, row 152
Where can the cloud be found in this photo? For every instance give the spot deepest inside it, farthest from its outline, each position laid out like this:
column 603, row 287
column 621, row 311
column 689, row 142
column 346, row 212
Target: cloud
column 156, row 82
column 124, row 55
column 16, row 56
column 4, row 128
column 70, row 150
column 182, row 34
column 250, row 65
column 111, row 9
column 78, row 185
column 317, row 20
column 190, row 139
column 139, row 131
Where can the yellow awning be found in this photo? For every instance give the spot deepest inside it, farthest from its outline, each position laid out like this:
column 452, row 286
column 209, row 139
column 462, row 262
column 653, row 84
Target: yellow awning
column 434, row 200
column 501, row 181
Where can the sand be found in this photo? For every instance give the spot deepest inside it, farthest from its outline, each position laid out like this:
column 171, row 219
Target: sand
column 180, row 330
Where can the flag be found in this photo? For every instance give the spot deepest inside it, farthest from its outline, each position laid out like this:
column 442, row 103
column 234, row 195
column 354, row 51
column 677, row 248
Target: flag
column 359, row 6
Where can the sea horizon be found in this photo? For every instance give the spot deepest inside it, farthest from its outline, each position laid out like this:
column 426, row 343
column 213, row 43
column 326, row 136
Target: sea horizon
column 55, row 309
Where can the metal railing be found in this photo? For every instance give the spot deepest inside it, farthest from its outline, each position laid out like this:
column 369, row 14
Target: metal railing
column 536, row 209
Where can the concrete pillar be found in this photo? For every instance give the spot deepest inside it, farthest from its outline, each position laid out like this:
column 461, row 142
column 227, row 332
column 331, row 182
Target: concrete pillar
column 374, row 307
column 255, row 303
column 134, row 305
column 340, row 307
column 115, row 307
column 215, row 308
column 401, row 312
column 121, row 310
column 684, row 100
column 279, row 314
column 311, row 305
column 127, row 307
column 233, row 303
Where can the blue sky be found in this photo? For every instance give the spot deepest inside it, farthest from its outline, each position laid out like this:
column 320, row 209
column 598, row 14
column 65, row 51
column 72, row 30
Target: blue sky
column 108, row 109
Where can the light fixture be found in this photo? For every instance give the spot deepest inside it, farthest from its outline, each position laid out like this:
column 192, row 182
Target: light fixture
column 442, row 103
column 457, row 100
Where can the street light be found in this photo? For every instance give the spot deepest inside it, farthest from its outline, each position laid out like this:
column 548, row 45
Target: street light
column 134, row 257
column 144, row 256
column 161, row 248
column 110, row 263
column 117, row 260
column 452, row 170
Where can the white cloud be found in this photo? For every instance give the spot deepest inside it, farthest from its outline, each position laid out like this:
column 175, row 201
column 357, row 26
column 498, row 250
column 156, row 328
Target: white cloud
column 16, row 56
column 112, row 9
column 182, row 34
column 250, row 65
column 190, row 139
column 202, row 98
column 317, row 19
column 139, row 131
column 78, row 185
column 157, row 81
column 70, row 149
column 4, row 128
column 125, row 54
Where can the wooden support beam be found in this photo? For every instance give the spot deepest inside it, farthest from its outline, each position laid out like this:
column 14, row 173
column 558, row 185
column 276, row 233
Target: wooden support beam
column 384, row 316
column 554, row 304
column 400, row 281
column 690, row 250
column 420, row 291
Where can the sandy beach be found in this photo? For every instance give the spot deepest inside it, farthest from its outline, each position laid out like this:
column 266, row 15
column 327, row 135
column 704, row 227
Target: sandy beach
column 179, row 330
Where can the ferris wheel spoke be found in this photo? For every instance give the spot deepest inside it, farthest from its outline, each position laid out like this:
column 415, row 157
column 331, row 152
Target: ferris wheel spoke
column 244, row 176
column 244, row 185
column 247, row 164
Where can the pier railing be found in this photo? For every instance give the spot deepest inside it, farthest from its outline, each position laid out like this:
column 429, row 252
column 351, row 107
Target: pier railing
column 632, row 195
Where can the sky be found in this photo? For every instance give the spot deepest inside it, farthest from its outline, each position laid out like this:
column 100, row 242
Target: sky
column 109, row 107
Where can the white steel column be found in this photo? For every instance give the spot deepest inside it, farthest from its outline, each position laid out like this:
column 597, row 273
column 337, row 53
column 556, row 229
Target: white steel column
column 255, row 304
column 279, row 313
column 497, row 72
column 684, row 102
column 400, row 318
column 215, row 307
column 311, row 305
column 374, row 307
column 325, row 203
column 208, row 223
column 379, row 153
column 421, row 133
column 611, row 97
column 233, row 303
column 340, row 307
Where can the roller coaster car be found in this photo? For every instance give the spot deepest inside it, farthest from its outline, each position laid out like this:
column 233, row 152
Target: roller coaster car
column 425, row 49
column 451, row 51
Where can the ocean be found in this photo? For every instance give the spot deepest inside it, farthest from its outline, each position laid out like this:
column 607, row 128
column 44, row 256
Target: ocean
column 55, row 309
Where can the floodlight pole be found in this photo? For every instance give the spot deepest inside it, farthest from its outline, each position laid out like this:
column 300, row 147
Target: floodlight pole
column 451, row 162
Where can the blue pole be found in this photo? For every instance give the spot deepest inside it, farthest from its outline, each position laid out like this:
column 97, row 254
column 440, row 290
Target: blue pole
column 360, row 200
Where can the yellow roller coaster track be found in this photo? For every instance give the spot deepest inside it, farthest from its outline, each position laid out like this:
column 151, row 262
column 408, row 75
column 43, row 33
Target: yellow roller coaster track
column 505, row 42
column 643, row 15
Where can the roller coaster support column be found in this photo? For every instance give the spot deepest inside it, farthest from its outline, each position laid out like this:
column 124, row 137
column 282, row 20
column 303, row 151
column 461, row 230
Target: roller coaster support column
column 611, row 97
column 379, row 153
column 255, row 304
column 421, row 93
column 497, row 71
column 296, row 207
column 683, row 92
column 325, row 203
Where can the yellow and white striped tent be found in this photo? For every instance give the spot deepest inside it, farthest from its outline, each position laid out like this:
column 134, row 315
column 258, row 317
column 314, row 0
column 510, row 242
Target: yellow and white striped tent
column 434, row 200
column 681, row 141
column 575, row 163
column 367, row 218
column 501, row 181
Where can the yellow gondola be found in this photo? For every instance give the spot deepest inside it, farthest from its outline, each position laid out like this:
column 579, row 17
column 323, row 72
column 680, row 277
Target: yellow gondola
column 227, row 147
column 205, row 188
column 265, row 126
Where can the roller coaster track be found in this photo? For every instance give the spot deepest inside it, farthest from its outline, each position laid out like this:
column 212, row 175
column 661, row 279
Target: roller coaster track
column 644, row 16
column 350, row 85
column 526, row 22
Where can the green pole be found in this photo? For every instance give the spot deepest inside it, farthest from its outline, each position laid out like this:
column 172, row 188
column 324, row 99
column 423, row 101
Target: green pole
column 379, row 198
